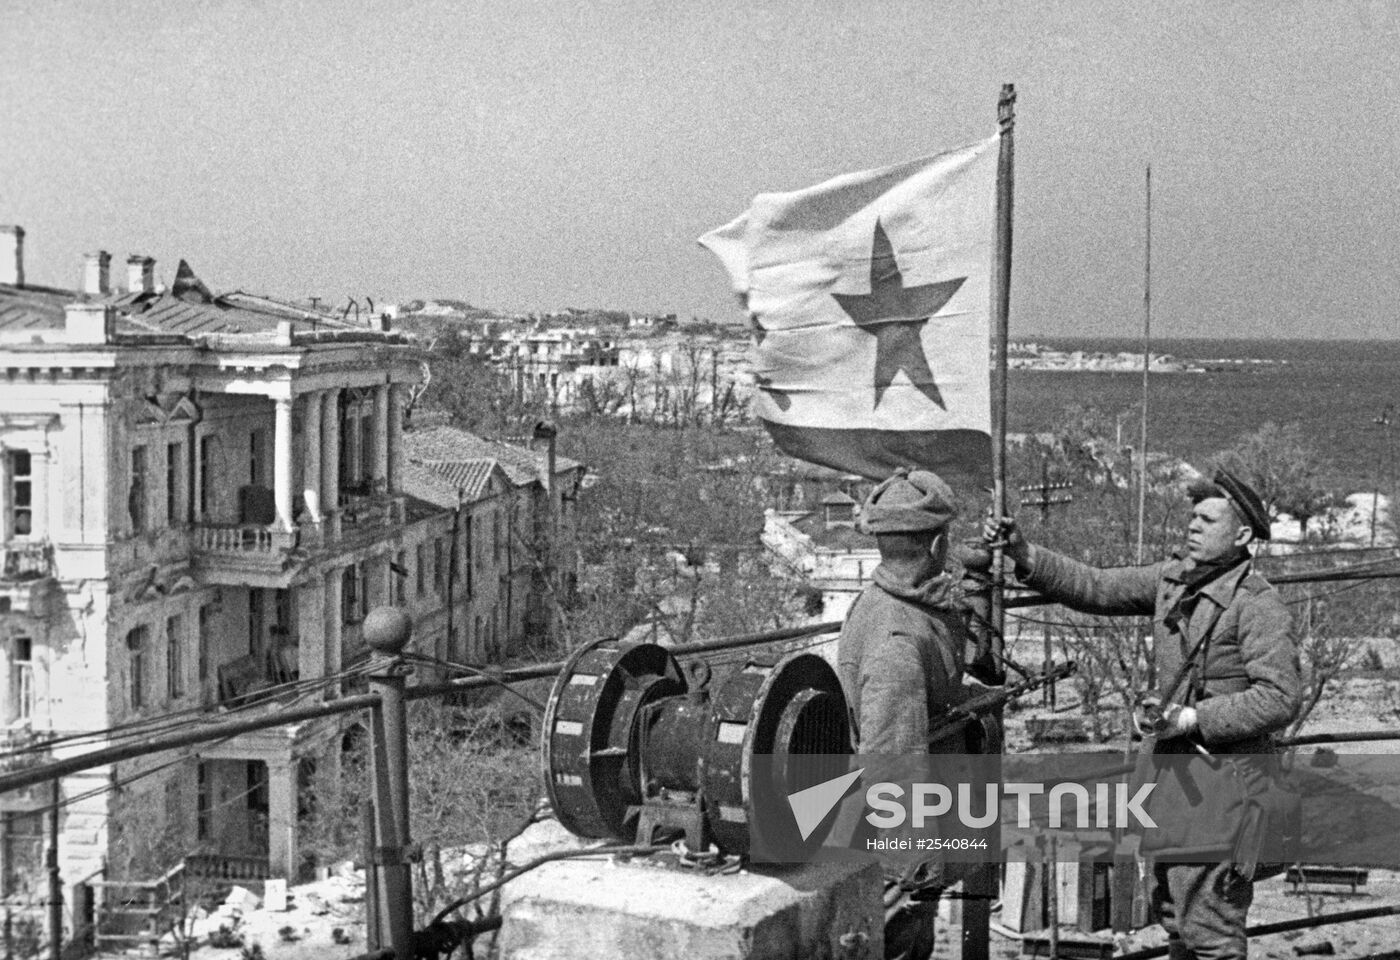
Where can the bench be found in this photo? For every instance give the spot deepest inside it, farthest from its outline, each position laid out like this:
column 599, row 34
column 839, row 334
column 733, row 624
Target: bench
column 1306, row 877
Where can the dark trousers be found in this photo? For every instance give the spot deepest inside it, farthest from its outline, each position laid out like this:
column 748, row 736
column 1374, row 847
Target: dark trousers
column 1203, row 907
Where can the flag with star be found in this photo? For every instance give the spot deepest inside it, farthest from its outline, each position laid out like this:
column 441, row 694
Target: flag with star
column 869, row 300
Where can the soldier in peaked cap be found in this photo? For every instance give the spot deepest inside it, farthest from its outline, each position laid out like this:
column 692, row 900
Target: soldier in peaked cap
column 1224, row 640
column 901, row 657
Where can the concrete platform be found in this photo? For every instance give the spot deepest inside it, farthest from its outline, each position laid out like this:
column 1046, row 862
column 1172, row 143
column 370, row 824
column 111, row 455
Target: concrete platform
column 651, row 909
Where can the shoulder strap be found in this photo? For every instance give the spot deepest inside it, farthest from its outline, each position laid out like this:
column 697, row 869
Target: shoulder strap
column 1254, row 583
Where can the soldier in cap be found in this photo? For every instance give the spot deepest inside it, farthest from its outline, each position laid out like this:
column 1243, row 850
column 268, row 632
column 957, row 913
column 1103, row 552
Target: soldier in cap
column 1222, row 630
column 901, row 658
column 901, row 650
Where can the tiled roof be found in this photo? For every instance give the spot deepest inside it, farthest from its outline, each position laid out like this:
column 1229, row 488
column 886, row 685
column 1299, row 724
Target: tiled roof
column 442, row 443
column 470, row 476
column 426, row 485
column 31, row 308
column 235, row 312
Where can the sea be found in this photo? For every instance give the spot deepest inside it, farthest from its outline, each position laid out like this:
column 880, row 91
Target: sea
column 1335, row 390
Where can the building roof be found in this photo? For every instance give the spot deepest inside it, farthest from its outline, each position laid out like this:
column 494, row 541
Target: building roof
column 192, row 313
column 471, row 477
column 426, row 493
column 444, row 444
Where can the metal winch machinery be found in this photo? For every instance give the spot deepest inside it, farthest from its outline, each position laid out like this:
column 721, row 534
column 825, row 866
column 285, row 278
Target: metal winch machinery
column 637, row 748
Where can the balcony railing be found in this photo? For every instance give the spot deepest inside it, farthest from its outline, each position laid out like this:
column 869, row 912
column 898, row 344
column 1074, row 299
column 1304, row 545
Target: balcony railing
column 243, row 538
column 26, row 560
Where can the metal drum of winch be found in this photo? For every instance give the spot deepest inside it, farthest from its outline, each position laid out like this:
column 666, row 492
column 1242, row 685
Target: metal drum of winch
column 636, row 748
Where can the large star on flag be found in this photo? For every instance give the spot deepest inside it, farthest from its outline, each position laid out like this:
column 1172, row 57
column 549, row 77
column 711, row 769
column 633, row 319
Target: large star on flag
column 895, row 315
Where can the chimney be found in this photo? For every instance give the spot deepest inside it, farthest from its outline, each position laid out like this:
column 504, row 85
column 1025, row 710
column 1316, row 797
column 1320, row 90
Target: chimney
column 89, row 323
column 97, row 273
column 140, row 274
column 12, row 255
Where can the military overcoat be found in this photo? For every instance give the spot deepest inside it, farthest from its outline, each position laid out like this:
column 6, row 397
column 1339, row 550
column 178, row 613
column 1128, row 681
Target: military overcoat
column 900, row 657
column 1251, row 676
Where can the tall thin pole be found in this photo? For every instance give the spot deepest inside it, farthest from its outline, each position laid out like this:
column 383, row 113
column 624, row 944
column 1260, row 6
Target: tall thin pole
column 982, row 882
column 55, row 880
column 1146, row 363
column 1001, row 299
column 387, row 631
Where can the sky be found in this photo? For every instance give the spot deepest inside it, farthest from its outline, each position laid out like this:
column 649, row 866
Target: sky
column 538, row 154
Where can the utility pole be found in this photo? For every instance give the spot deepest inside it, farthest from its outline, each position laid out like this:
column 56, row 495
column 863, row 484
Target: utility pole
column 1383, row 423
column 55, row 881
column 387, row 631
column 546, row 430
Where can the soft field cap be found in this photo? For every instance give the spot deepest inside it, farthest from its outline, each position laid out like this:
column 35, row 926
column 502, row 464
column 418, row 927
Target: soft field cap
column 908, row 503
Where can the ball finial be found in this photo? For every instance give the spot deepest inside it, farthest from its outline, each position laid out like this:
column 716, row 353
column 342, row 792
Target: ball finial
column 387, row 630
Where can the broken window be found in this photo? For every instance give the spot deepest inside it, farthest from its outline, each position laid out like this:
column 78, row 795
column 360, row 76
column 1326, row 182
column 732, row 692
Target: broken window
column 136, row 496
column 136, row 646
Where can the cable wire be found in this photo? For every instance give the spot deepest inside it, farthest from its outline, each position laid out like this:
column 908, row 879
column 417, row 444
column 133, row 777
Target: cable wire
column 165, row 722
column 468, row 669
column 610, row 850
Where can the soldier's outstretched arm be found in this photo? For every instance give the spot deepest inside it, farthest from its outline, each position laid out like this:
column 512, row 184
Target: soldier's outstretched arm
column 1113, row 591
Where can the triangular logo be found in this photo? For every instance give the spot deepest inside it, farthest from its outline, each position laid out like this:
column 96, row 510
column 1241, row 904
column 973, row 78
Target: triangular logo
column 810, row 806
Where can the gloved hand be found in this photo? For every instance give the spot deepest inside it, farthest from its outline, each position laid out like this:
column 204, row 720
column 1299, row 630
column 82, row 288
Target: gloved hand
column 1153, row 720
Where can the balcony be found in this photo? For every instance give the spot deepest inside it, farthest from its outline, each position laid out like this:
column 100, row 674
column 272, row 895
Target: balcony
column 26, row 574
column 246, row 554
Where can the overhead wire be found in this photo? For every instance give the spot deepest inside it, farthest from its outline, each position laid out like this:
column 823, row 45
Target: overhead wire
column 165, row 722
column 119, row 782
column 475, row 671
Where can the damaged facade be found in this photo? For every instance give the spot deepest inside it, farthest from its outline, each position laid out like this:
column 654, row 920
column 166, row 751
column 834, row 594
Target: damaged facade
column 202, row 496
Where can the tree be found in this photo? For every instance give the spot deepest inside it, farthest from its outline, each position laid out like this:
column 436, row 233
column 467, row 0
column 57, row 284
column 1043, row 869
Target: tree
column 1286, row 470
column 477, row 395
column 671, row 526
column 473, row 781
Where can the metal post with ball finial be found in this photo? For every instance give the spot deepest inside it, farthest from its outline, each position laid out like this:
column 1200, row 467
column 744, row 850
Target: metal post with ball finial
column 387, row 630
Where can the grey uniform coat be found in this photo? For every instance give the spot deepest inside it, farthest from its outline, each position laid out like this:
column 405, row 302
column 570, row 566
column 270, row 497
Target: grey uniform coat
column 1252, row 684
column 901, row 658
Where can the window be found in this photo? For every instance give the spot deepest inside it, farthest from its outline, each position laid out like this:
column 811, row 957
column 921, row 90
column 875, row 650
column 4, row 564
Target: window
column 421, row 573
column 174, row 657
column 466, row 555
column 206, row 640
column 21, row 849
column 202, row 801
column 399, row 572
column 354, row 589
column 136, row 645
column 439, row 566
column 174, row 502
column 206, row 471
column 136, row 496
column 174, row 804
column 256, row 800
column 257, row 619
column 19, row 467
column 22, row 679
column 496, row 536
column 255, row 457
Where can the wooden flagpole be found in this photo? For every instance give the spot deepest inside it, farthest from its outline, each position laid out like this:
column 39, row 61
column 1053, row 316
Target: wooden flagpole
column 982, row 883
column 1001, row 299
